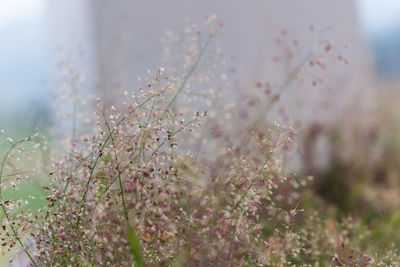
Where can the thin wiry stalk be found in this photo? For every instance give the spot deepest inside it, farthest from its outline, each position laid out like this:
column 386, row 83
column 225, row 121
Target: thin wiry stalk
column 281, row 89
column 190, row 72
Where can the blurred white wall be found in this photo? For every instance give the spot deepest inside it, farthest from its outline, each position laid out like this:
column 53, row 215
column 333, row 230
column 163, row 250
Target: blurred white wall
column 122, row 38
column 127, row 33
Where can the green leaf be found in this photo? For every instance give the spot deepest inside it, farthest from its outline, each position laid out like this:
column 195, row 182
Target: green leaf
column 135, row 246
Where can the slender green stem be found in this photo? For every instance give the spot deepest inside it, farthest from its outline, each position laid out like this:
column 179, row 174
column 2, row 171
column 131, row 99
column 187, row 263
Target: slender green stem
column 190, row 72
column 119, row 174
column 267, row 156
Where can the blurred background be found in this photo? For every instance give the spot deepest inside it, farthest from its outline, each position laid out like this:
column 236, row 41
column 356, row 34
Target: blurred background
column 53, row 54
column 111, row 43
column 56, row 54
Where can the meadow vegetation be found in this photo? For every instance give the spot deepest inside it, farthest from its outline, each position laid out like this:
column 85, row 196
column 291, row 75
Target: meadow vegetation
column 191, row 170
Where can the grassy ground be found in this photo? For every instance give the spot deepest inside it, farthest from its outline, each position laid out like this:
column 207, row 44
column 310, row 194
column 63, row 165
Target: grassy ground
column 25, row 190
column 29, row 189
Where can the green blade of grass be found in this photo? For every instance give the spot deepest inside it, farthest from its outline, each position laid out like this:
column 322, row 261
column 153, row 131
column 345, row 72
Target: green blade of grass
column 135, row 246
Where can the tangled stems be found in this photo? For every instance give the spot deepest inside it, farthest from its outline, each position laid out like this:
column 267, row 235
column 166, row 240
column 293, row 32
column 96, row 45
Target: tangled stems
column 3, row 205
column 109, row 138
column 133, row 241
column 103, row 146
column 267, row 157
column 170, row 103
column 127, row 196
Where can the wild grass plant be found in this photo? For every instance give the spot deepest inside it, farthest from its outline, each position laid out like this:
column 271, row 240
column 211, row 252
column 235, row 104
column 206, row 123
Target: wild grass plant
column 181, row 177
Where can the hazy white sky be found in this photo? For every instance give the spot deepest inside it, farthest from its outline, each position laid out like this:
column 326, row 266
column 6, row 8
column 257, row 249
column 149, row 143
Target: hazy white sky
column 379, row 15
column 23, row 51
column 12, row 11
